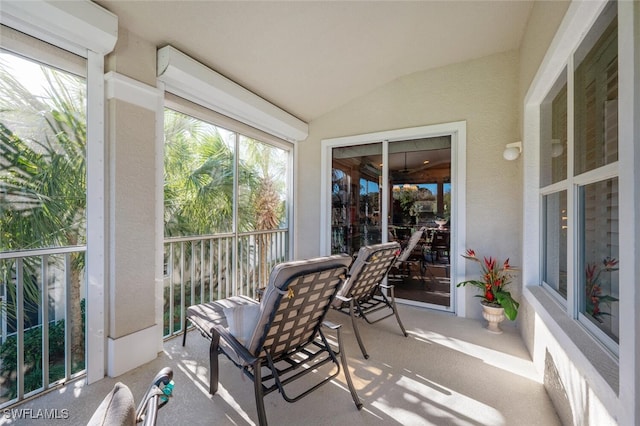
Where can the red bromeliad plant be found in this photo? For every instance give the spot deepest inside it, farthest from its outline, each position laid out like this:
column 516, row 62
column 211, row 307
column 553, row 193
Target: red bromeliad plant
column 595, row 296
column 495, row 278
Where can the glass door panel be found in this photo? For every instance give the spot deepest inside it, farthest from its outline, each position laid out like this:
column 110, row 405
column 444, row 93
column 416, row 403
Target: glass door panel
column 355, row 197
column 418, row 203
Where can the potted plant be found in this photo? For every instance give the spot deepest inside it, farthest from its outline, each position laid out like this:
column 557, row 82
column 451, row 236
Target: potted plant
column 497, row 301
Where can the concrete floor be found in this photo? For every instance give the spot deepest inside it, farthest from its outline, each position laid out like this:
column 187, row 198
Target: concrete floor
column 449, row 371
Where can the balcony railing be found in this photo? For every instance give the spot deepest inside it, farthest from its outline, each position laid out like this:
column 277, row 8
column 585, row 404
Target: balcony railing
column 47, row 286
column 37, row 288
column 207, row 268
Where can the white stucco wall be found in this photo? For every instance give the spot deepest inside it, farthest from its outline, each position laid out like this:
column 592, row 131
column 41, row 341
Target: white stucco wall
column 484, row 93
column 587, row 383
column 134, row 140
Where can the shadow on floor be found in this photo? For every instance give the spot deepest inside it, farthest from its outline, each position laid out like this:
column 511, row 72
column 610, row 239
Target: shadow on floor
column 449, row 371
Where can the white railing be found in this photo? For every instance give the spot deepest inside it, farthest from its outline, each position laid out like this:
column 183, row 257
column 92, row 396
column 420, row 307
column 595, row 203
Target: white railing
column 37, row 287
column 198, row 269
column 207, row 268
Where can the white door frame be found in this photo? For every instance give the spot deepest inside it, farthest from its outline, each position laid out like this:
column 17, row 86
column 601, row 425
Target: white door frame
column 458, row 132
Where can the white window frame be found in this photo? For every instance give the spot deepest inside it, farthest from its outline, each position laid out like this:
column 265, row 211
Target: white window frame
column 86, row 29
column 616, row 386
column 201, row 112
column 458, row 132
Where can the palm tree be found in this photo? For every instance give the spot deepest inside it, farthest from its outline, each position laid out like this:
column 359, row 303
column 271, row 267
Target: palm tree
column 199, row 183
column 267, row 204
column 43, row 177
column 199, row 177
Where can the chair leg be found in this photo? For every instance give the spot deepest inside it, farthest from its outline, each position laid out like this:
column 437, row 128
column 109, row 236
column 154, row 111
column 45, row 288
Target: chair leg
column 213, row 363
column 259, row 393
column 184, row 331
column 347, row 374
column 354, row 323
column 395, row 311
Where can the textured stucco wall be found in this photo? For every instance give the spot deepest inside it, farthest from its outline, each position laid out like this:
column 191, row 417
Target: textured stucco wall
column 132, row 194
column 484, row 92
column 132, row 241
column 543, row 23
column 560, row 348
column 133, row 57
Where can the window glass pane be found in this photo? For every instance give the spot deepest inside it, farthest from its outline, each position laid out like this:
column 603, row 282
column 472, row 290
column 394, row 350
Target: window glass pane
column 198, row 176
column 356, row 180
column 553, row 134
column 42, row 155
column 599, row 284
column 596, row 97
column 262, row 186
column 42, row 204
column 555, row 248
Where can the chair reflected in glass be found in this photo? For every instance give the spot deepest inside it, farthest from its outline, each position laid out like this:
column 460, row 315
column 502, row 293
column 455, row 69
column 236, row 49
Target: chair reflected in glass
column 440, row 246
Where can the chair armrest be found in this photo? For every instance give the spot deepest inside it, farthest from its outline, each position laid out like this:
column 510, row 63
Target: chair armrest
column 233, row 343
column 342, row 298
column 331, row 325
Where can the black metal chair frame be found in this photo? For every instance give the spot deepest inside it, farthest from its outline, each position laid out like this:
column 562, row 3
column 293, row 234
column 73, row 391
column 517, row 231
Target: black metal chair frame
column 365, row 295
column 284, row 360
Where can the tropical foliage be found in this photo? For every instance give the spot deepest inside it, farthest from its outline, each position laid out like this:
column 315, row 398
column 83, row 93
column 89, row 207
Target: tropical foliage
column 43, row 189
column 42, row 198
column 495, row 278
column 199, row 180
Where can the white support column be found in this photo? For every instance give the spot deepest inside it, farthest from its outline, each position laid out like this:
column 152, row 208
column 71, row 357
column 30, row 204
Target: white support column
column 135, row 332
column 96, row 220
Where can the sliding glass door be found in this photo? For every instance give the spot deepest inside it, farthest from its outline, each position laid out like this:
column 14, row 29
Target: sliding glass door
column 391, row 191
column 356, row 175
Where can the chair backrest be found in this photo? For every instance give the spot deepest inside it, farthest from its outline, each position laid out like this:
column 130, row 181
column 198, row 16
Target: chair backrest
column 441, row 240
column 295, row 303
column 413, row 241
column 117, row 408
column 368, row 270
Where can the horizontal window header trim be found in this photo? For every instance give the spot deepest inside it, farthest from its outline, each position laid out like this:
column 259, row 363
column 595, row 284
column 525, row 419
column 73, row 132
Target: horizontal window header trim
column 76, row 26
column 188, row 78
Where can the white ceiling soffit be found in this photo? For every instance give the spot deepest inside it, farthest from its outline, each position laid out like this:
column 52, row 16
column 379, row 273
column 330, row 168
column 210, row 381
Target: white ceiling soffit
column 188, row 78
column 76, row 26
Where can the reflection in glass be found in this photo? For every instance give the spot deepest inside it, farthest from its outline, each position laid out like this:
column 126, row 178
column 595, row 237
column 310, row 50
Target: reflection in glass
column 553, row 134
column 355, row 197
column 555, row 250
column 418, row 203
column 596, row 100
column 599, row 284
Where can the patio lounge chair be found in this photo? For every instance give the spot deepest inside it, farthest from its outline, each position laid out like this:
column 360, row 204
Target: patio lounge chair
column 362, row 294
column 410, row 255
column 279, row 339
column 118, row 407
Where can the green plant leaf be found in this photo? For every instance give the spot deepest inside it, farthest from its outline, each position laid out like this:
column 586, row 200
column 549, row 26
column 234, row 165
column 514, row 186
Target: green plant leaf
column 510, row 306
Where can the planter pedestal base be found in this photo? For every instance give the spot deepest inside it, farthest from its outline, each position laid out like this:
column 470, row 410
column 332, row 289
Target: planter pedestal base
column 494, row 316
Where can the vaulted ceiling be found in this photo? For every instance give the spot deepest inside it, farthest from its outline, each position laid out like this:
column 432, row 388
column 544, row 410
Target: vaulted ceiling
column 311, row 57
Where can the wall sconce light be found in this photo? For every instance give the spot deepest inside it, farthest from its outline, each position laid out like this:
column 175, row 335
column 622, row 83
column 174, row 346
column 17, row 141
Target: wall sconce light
column 556, row 148
column 512, row 151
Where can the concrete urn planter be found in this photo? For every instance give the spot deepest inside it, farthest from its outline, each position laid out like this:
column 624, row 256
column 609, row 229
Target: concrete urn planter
column 494, row 316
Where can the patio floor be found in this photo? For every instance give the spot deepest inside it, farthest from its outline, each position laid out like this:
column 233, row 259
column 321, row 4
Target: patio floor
column 449, row 371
